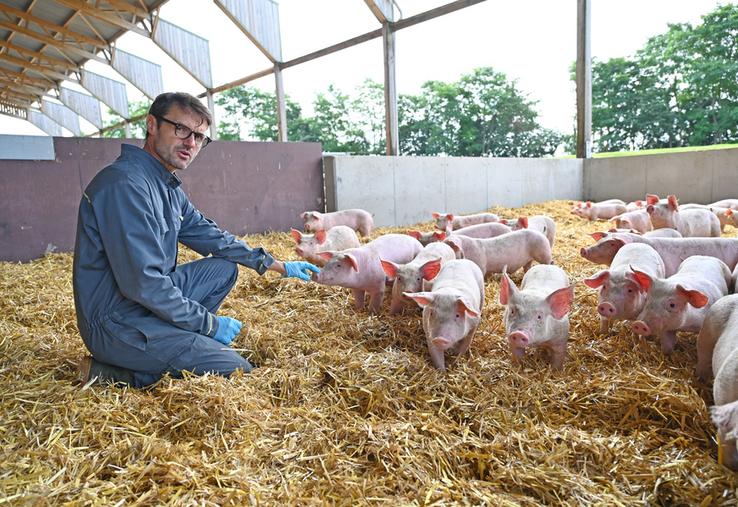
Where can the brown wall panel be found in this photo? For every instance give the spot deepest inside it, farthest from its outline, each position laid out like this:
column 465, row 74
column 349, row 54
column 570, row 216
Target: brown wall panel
column 245, row 187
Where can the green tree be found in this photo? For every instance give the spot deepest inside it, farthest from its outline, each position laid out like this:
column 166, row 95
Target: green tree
column 680, row 89
column 137, row 127
column 252, row 113
column 482, row 114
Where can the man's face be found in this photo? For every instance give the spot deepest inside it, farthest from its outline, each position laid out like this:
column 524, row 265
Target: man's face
column 170, row 150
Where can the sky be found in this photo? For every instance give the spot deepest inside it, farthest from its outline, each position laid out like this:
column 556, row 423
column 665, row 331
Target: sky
column 532, row 41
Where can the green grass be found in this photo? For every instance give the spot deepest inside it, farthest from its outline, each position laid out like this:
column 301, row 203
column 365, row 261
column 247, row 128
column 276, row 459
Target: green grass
column 660, row 151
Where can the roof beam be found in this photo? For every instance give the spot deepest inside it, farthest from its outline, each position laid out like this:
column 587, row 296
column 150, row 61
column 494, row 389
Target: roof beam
column 57, row 44
column 24, row 77
column 125, row 6
column 39, row 69
column 53, row 62
column 74, row 36
column 111, row 19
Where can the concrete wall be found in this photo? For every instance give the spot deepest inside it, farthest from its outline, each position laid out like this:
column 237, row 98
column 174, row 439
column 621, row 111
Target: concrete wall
column 695, row 176
column 244, row 187
column 406, row 190
column 26, row 147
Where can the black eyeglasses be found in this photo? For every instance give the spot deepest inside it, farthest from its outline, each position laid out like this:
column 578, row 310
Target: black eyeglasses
column 183, row 132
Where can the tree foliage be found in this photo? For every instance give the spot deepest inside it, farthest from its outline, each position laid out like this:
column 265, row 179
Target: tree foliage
column 680, row 89
column 482, row 114
column 137, row 128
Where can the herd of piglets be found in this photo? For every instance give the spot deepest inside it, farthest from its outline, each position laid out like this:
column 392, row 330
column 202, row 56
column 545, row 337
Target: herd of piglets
column 670, row 271
column 667, row 271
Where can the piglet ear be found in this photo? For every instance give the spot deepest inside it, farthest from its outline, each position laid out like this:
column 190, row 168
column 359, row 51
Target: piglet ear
column 414, row 234
column 650, row 209
column 454, row 244
column 642, row 279
column 352, row 260
column 639, row 203
column 304, row 215
column 296, row 235
column 440, row 236
column 390, row 268
column 598, row 235
column 589, row 204
column 523, row 222
column 729, row 211
column 597, row 280
column 326, row 255
column 652, row 199
column 436, row 215
column 463, row 307
column 450, row 217
column 673, row 203
column 422, row 298
column 430, row 269
column 694, row 297
column 320, row 236
column 507, row 288
column 560, row 302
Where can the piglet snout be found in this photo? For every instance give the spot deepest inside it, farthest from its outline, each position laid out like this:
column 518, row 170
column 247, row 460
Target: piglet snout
column 518, row 339
column 606, row 309
column 641, row 328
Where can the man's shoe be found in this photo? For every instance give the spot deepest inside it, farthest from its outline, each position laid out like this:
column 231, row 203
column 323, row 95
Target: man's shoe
column 83, row 370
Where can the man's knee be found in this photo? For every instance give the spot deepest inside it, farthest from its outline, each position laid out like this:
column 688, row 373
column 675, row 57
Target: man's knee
column 226, row 270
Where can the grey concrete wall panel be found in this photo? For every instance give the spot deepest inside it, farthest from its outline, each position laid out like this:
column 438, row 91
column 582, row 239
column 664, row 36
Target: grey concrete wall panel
column 26, row 148
column 245, row 187
column 143, row 74
column 259, row 19
column 112, row 93
column 420, row 185
column 86, row 106
column 698, row 176
column 362, row 182
column 382, row 9
column 515, row 182
column 62, row 115
column 44, row 122
column 466, row 186
column 400, row 191
column 191, row 51
column 724, row 174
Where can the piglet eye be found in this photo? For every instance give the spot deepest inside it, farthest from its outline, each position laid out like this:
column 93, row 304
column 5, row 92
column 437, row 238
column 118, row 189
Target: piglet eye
column 539, row 317
column 672, row 305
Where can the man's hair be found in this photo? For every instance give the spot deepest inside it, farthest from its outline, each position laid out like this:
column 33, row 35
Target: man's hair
column 163, row 103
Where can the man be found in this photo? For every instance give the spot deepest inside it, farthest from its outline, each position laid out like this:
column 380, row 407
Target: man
column 139, row 313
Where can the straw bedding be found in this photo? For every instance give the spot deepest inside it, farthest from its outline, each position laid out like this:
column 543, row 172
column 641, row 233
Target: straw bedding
column 346, row 409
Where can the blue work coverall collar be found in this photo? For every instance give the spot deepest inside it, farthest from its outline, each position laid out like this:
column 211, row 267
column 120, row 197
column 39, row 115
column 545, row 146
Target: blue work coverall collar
column 151, row 163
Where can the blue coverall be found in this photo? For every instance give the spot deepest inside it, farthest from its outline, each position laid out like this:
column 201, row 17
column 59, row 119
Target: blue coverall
column 140, row 314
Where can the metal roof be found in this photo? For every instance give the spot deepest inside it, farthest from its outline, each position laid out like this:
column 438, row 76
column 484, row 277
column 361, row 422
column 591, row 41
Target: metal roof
column 45, row 42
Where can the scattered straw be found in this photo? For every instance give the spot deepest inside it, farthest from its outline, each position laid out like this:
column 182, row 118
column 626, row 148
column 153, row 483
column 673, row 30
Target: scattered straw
column 345, row 408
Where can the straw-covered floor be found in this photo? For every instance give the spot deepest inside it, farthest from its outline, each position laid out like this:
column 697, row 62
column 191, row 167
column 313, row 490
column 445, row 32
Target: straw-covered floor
column 345, row 408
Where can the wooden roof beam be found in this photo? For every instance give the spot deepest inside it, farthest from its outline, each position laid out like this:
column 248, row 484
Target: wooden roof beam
column 53, row 62
column 60, row 30
column 39, row 69
column 59, row 45
column 107, row 17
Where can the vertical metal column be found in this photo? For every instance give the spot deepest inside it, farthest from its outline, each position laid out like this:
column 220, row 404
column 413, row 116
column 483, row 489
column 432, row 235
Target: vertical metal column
column 584, row 79
column 127, row 129
column 390, row 91
column 214, row 124
column 281, row 107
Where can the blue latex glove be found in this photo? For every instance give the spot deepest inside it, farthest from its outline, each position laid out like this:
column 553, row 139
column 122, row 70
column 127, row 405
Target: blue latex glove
column 299, row 269
column 228, row 328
